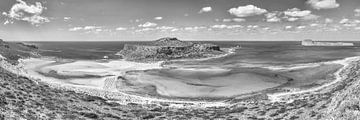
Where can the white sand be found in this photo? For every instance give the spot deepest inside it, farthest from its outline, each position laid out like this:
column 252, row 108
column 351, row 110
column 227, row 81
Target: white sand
column 224, row 86
column 81, row 68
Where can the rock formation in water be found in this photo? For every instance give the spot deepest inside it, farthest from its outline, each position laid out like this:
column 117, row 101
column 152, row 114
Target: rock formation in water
column 309, row 42
column 167, row 49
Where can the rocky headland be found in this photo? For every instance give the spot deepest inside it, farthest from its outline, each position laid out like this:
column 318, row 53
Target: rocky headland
column 13, row 51
column 168, row 49
column 309, row 42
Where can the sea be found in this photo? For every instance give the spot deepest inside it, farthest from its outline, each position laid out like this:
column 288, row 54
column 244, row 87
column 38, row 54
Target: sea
column 252, row 66
column 258, row 52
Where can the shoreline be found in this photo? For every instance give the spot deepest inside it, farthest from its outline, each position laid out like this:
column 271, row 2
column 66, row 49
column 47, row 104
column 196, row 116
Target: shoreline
column 124, row 98
column 276, row 97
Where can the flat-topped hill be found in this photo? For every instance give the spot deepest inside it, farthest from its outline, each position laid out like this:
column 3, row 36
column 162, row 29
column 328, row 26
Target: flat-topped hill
column 167, row 49
column 309, row 42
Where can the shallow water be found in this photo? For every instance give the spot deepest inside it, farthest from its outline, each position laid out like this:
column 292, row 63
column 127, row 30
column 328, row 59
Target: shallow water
column 255, row 66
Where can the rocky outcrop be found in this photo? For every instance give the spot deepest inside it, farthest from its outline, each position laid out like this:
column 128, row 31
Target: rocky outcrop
column 309, row 42
column 12, row 51
column 167, row 49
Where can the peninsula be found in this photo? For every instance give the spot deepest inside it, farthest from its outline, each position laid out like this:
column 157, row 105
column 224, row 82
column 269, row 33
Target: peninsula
column 309, row 42
column 168, row 49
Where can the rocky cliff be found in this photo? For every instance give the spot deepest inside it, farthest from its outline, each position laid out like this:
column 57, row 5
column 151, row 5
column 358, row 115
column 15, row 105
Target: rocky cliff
column 167, row 49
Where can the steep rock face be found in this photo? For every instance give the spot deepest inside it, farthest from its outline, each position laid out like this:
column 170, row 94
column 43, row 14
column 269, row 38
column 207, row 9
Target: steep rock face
column 167, row 49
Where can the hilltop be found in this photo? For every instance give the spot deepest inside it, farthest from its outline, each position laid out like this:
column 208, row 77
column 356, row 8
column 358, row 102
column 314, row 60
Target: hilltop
column 168, row 49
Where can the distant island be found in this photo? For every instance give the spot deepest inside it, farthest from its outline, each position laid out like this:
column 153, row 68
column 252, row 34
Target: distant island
column 167, row 49
column 309, row 42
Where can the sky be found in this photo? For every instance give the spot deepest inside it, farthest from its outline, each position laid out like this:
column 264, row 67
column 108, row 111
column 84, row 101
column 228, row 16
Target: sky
column 141, row 20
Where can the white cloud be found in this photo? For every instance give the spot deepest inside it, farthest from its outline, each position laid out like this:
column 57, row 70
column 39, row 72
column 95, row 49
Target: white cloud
column 8, row 22
column 91, row 27
column 314, row 24
column 165, row 28
column 344, row 21
column 295, row 14
column 238, row 20
column 219, row 26
column 272, row 17
column 301, row 27
column 323, row 4
column 328, row 20
column 223, row 26
column 67, row 18
column 234, row 20
column 227, row 20
column 357, row 12
column 75, row 29
column 245, row 11
column 148, row 24
column 158, row 18
column 86, row 28
column 195, row 28
column 29, row 13
column 288, row 27
column 205, row 9
column 120, row 29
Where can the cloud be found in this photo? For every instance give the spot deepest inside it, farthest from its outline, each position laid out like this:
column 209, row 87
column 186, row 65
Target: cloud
column 158, row 18
column 246, row 11
column 148, row 24
column 314, row 25
column 91, row 27
column 25, row 12
column 344, row 21
column 238, row 20
column 234, row 20
column 219, row 26
column 205, row 9
column 323, row 4
column 328, row 20
column 75, row 29
column 194, row 28
column 272, row 17
column 288, row 27
column 349, row 23
column 296, row 14
column 86, row 28
column 67, row 18
column 357, row 12
column 222, row 26
column 120, row 29
column 301, row 27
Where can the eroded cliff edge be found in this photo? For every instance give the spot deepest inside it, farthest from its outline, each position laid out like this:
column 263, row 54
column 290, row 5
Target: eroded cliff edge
column 168, row 49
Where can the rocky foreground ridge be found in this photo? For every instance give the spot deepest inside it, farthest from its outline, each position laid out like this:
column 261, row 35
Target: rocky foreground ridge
column 168, row 49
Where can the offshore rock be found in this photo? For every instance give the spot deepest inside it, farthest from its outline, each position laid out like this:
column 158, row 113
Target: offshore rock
column 168, row 49
column 309, row 42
